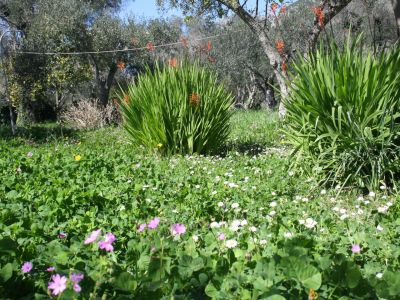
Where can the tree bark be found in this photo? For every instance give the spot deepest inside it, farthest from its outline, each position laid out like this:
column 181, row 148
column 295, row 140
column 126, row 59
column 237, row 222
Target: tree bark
column 396, row 9
column 104, row 83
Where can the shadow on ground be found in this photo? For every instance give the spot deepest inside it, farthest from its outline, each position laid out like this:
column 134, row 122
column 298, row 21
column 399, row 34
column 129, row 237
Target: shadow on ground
column 38, row 134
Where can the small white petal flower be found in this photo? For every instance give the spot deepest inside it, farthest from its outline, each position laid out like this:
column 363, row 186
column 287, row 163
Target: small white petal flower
column 253, row 229
column 323, row 192
column 235, row 205
column 336, row 208
column 342, row 211
column 302, row 222
column 195, row 238
column 344, row 217
column 379, row 275
column 220, row 204
column 231, row 244
column 305, row 199
column 263, row 242
column 214, row 192
column 272, row 213
column 288, row 235
column 273, row 194
column 243, row 223
column 371, row 194
column 379, row 227
column 382, row 209
column 273, row 204
column 310, row 223
column 214, row 225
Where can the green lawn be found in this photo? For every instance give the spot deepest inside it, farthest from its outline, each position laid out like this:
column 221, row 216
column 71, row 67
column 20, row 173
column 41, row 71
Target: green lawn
column 253, row 229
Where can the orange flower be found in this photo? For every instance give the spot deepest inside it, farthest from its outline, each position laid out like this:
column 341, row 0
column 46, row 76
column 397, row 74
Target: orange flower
column 209, row 46
column 284, row 67
column 150, row 46
column 274, row 7
column 173, row 62
column 320, row 14
column 283, row 10
column 280, row 46
column 184, row 41
column 194, row 99
column 126, row 98
column 121, row 66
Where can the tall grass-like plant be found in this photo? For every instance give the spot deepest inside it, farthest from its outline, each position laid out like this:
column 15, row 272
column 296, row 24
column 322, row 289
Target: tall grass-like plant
column 343, row 115
column 180, row 108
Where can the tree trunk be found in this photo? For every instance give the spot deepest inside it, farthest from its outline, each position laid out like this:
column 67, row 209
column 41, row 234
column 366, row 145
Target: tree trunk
column 396, row 9
column 104, row 83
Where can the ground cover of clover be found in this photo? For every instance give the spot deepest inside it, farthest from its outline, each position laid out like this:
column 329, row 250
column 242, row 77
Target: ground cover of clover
column 84, row 215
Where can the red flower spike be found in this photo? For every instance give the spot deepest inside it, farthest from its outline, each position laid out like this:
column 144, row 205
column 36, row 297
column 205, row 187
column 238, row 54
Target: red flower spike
column 194, row 99
column 150, row 46
column 121, row 66
column 173, row 62
column 126, row 98
column 284, row 67
column 283, row 10
column 209, row 46
column 274, row 7
column 320, row 14
column 280, row 46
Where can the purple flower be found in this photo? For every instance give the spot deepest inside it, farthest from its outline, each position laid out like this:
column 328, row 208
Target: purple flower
column 93, row 236
column 62, row 235
column 221, row 236
column 50, row 269
column 30, row 154
column 355, row 248
column 107, row 243
column 178, row 229
column 154, row 223
column 26, row 267
column 142, row 227
column 58, row 285
column 75, row 279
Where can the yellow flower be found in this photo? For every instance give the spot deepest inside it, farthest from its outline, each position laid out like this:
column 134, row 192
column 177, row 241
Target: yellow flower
column 77, row 157
column 159, row 145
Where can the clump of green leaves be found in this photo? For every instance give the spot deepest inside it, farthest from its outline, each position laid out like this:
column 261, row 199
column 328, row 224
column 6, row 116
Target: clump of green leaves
column 177, row 109
column 343, row 114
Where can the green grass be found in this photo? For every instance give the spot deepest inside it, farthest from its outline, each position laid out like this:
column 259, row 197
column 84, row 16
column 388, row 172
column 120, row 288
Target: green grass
column 116, row 187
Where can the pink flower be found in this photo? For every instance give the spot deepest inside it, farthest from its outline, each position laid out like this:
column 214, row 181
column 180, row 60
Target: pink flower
column 355, row 248
column 58, row 285
column 50, row 269
column 93, row 236
column 142, row 227
column 26, row 267
column 30, row 154
column 75, row 279
column 107, row 243
column 221, row 237
column 62, row 235
column 178, row 229
column 153, row 223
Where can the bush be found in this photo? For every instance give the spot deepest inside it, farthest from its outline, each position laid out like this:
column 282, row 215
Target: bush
column 179, row 109
column 88, row 114
column 343, row 114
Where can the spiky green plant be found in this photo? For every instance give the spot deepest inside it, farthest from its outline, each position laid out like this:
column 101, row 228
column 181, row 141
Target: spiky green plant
column 177, row 109
column 343, row 115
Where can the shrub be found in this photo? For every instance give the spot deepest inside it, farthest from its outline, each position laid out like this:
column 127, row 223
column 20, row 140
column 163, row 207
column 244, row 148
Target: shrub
column 88, row 114
column 177, row 109
column 343, row 114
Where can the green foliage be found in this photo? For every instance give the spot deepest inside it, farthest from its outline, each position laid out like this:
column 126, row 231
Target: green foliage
column 115, row 188
column 177, row 109
column 343, row 115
